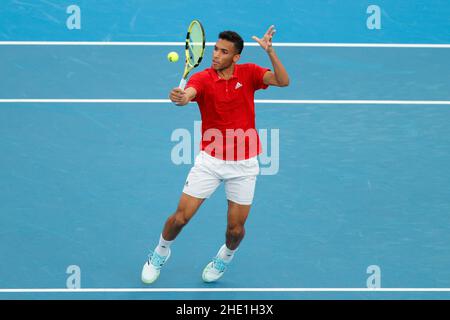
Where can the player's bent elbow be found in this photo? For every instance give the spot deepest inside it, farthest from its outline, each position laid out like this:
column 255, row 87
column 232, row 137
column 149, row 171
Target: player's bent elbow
column 283, row 82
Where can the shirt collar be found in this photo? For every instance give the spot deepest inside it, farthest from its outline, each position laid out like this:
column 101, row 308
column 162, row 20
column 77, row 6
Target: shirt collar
column 217, row 78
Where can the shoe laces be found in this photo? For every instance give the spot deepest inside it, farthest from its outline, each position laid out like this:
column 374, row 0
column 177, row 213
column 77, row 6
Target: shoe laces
column 219, row 264
column 156, row 260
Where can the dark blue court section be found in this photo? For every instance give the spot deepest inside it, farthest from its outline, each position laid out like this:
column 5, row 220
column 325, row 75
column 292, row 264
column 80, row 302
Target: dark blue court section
column 358, row 185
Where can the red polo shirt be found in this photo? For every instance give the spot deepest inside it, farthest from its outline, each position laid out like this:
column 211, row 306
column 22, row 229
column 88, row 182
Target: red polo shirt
column 227, row 109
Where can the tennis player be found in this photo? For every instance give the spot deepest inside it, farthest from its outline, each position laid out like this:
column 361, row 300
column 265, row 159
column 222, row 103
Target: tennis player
column 229, row 147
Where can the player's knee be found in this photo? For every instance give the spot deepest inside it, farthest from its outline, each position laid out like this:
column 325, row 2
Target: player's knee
column 180, row 219
column 235, row 231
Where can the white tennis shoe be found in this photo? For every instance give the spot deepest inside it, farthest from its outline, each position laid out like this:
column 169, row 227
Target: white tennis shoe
column 152, row 268
column 215, row 269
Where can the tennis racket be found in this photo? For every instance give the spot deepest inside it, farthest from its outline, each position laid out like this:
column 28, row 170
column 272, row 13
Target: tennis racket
column 195, row 48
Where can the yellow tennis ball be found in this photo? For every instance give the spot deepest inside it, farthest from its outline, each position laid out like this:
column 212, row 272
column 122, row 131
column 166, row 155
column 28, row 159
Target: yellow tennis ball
column 172, row 56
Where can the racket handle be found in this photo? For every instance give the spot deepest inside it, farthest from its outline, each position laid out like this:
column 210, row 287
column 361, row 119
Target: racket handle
column 182, row 84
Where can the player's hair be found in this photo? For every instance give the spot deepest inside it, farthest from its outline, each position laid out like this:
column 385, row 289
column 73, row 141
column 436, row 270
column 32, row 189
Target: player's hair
column 233, row 37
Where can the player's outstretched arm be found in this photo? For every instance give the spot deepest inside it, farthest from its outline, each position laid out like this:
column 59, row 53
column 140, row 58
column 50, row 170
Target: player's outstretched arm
column 182, row 97
column 279, row 77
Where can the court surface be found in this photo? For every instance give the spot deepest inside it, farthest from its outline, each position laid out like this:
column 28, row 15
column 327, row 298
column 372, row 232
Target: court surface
column 362, row 174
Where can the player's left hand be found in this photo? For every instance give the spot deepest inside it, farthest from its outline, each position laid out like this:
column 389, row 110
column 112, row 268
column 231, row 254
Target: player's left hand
column 266, row 41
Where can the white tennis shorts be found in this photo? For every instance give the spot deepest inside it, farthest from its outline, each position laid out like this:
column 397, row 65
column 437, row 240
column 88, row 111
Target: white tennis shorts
column 208, row 172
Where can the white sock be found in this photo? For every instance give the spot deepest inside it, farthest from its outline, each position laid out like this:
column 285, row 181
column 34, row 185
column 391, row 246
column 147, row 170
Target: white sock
column 163, row 246
column 226, row 254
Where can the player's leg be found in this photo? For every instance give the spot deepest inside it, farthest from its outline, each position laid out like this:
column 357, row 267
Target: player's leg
column 200, row 184
column 240, row 193
column 237, row 215
column 187, row 207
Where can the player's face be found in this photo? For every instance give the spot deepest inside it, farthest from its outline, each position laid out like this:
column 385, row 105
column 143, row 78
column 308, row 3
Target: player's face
column 224, row 55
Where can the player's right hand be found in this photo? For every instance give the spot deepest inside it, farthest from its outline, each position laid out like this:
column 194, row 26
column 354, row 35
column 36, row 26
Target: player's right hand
column 178, row 96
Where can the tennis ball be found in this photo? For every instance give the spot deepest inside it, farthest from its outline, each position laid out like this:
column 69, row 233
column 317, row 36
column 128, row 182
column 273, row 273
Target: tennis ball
column 172, row 56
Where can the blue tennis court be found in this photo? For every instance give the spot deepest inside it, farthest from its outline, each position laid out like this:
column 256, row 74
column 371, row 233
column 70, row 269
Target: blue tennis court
column 357, row 160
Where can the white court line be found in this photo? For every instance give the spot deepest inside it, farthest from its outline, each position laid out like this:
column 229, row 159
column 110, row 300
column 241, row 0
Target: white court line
column 138, row 290
column 257, row 101
column 249, row 44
